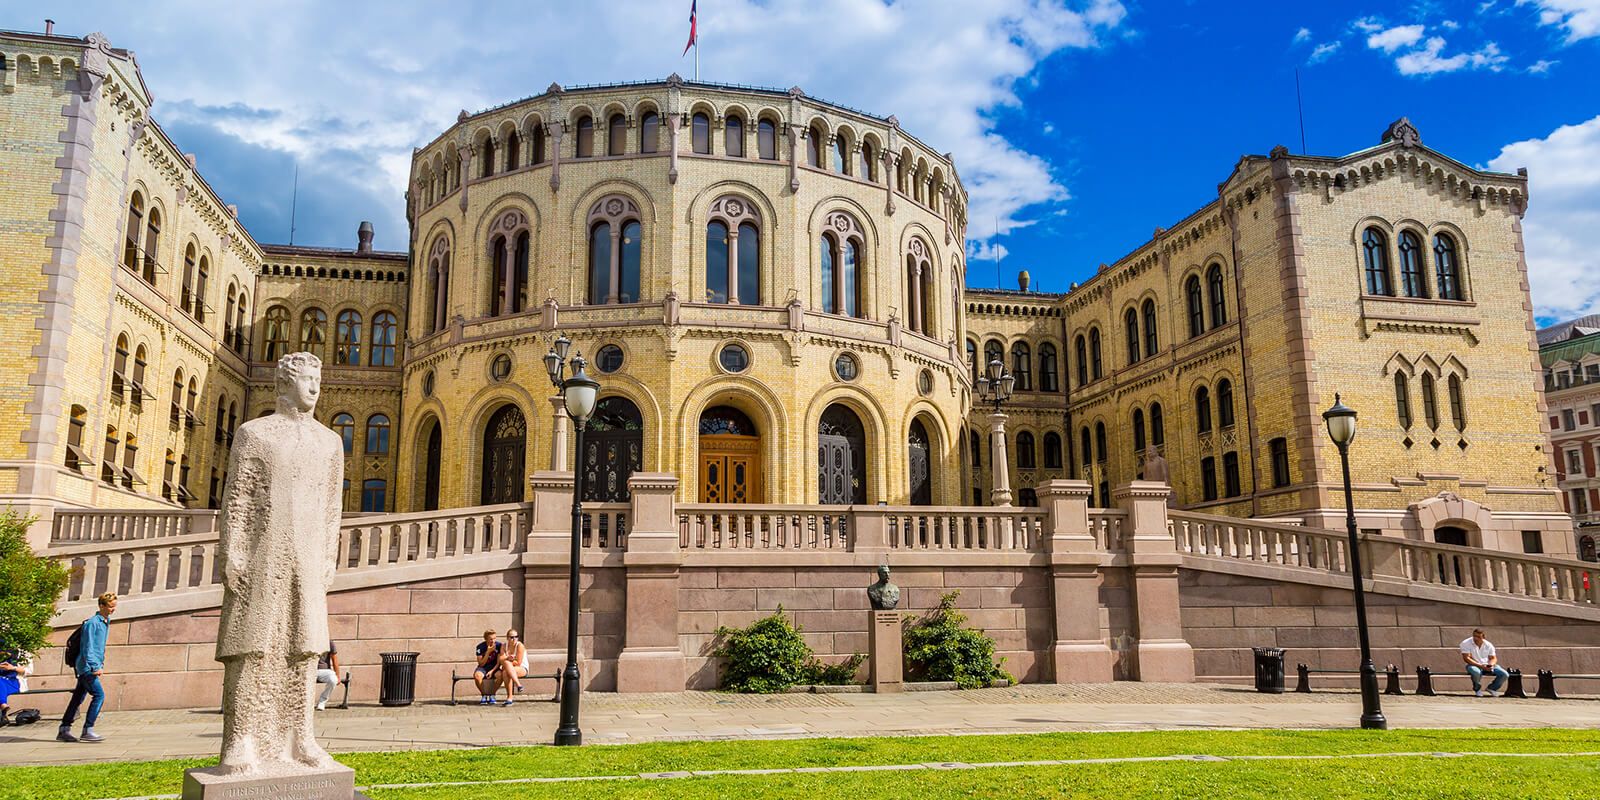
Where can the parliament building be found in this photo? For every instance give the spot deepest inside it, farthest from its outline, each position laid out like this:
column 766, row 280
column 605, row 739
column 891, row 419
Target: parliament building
column 772, row 291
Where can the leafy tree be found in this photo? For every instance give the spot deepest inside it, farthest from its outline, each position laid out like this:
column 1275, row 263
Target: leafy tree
column 29, row 586
column 771, row 655
column 939, row 648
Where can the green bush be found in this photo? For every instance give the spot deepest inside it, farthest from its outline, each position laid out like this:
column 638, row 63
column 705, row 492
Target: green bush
column 29, row 586
column 939, row 648
column 770, row 656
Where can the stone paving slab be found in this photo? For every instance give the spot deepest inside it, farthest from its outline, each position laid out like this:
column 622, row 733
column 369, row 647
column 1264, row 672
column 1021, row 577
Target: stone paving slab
column 616, row 718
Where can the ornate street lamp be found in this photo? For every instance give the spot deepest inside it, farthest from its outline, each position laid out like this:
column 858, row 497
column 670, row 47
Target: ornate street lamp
column 580, row 392
column 1341, row 421
column 994, row 388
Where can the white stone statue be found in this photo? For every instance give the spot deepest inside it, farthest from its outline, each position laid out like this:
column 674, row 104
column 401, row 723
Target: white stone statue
column 278, row 543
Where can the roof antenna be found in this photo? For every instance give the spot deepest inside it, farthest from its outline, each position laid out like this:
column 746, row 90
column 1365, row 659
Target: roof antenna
column 1302, row 108
column 294, row 200
column 999, row 283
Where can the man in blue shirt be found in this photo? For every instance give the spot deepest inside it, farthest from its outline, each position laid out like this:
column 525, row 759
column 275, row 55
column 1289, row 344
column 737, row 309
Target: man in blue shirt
column 90, row 663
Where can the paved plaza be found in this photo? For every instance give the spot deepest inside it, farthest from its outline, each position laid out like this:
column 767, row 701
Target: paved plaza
column 617, row 718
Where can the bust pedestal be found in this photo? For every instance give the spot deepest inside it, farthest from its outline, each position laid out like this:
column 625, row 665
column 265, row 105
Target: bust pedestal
column 338, row 783
column 883, row 639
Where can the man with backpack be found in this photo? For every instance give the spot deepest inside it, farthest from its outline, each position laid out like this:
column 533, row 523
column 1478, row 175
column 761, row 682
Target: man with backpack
column 86, row 654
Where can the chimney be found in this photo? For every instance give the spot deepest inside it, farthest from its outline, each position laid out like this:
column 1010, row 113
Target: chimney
column 364, row 237
column 1023, row 280
column 49, row 27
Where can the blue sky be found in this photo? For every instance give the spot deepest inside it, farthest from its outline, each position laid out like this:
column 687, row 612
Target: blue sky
column 1077, row 126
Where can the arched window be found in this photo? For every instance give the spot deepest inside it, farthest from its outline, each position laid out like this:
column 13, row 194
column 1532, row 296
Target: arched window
column 1130, row 325
column 733, row 136
column 227, row 318
column 1225, row 403
column 868, row 170
column 108, row 460
column 972, row 360
column 137, row 379
column 1375, row 250
column 1151, row 344
column 186, row 299
column 1100, row 442
column 1402, row 400
column 377, row 434
column 992, row 351
column 1202, row 410
column 700, row 133
column 749, row 264
column 275, row 339
column 130, row 455
column 152, row 242
column 1411, row 280
column 585, row 142
column 374, row 494
column 615, row 249
column 239, row 326
column 919, row 287
column 814, row 147
column 1025, row 450
column 650, row 132
column 841, row 155
column 599, row 263
column 345, row 426
column 119, row 366
column 977, row 451
column 221, row 434
column 1219, row 303
column 1052, row 450
column 200, row 289
column 1138, row 431
column 1430, row 404
column 486, row 168
column 717, row 260
column 1458, row 408
column 1022, row 366
column 1048, row 376
column 190, row 420
column 130, row 247
column 733, row 254
column 383, row 328
column 1084, row 454
column 1083, row 361
column 347, row 341
column 841, row 266
column 1197, row 313
column 617, row 135
column 439, row 275
column 1158, row 432
column 313, row 330
column 538, row 144
column 177, row 397
column 766, row 140
column 513, row 151
column 1094, row 354
column 1447, row 270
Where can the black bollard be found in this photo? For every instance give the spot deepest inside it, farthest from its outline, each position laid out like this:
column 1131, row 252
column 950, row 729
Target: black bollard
column 1392, row 683
column 1424, row 682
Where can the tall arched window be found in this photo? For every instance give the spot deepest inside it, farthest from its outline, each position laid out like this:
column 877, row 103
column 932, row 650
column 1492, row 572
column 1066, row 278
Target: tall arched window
column 717, row 260
column 733, row 136
column 347, row 342
column 190, row 420
column 108, row 459
column 1022, row 366
column 868, row 170
column 1158, row 431
column 130, row 455
column 700, row 134
column 919, row 286
column 383, row 328
column 227, row 318
column 1094, row 354
column 1052, row 450
column 617, row 135
column 152, row 243
column 1202, row 410
column 313, row 330
column 972, row 360
column 186, row 299
column 814, row 147
column 1225, row 403
column 1048, row 375
column 1375, row 250
column 119, row 366
column 1219, row 303
column 992, row 351
column 240, row 326
column 486, row 157
column 1138, row 431
column 1025, row 450
column 1151, row 344
column 1411, row 280
column 1084, row 454
column 1402, row 400
column 377, row 435
column 841, row 265
column 513, row 151
column 1196, row 304
column 538, row 143
column 615, row 248
column 599, row 263
column 1430, row 403
column 1458, row 408
column 130, row 245
column 1100, row 455
column 345, row 426
column 439, row 283
column 733, row 253
column 275, row 338
column 508, row 251
column 1447, row 269
column 1082, row 353
column 200, row 289
column 766, row 140
column 650, row 132
column 749, row 264
column 977, row 451
column 177, row 397
column 841, row 155
column 1130, row 327
column 585, row 141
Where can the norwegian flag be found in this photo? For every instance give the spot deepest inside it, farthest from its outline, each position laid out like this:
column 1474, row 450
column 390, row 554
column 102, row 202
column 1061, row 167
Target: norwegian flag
column 691, row 43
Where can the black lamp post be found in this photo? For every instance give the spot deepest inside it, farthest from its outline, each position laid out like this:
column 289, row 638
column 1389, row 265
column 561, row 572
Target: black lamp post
column 580, row 392
column 1341, row 421
column 994, row 385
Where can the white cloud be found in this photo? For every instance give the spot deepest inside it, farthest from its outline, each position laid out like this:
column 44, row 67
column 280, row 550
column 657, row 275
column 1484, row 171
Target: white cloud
column 1395, row 38
column 1323, row 52
column 980, row 255
column 1580, row 18
column 1367, row 25
column 1542, row 66
column 1562, row 228
column 1302, row 35
column 1429, row 60
column 1450, row 25
column 342, row 83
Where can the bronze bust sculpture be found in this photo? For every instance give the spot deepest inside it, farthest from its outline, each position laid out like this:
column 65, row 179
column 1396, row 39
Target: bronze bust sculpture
column 883, row 594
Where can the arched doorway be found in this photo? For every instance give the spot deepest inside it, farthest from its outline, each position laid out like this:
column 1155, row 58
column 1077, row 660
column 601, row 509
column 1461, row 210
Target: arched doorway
column 730, row 457
column 505, row 442
column 841, row 458
column 613, row 449
column 1450, row 566
column 919, row 465
column 432, row 454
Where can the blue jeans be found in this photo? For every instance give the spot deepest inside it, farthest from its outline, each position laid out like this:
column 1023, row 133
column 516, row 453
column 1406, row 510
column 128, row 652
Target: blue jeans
column 1500, row 676
column 87, row 685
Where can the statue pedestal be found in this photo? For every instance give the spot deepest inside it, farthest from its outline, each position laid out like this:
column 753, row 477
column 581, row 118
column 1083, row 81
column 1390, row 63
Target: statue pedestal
column 883, row 639
column 338, row 783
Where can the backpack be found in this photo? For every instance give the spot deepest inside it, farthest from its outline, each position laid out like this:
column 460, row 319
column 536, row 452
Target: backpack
column 26, row 716
column 74, row 649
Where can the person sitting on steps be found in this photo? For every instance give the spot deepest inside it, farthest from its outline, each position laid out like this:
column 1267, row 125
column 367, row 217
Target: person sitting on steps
column 513, row 664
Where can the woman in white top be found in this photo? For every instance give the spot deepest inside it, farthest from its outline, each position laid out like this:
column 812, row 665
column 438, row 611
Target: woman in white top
column 513, row 664
column 14, row 672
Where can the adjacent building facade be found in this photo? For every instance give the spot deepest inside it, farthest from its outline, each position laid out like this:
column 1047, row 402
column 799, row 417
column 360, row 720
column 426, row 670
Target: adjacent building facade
column 1570, row 352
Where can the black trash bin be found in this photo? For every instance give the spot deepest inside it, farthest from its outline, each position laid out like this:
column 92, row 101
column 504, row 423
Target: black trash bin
column 398, row 683
column 1269, row 669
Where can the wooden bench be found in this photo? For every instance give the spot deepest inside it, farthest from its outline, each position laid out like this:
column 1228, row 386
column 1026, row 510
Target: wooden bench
column 457, row 678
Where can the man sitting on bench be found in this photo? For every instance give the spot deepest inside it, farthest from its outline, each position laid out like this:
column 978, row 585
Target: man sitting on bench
column 1478, row 653
column 487, row 673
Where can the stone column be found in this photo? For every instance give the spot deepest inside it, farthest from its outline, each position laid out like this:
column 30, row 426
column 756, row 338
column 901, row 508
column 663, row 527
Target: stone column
column 1080, row 653
column 556, row 130
column 794, row 156
column 441, row 292
column 733, row 265
column 914, row 294
column 888, row 183
column 651, row 659
column 545, row 565
column 508, row 254
column 558, row 438
column 614, row 293
column 672, row 121
column 1161, row 654
column 466, row 175
column 999, row 465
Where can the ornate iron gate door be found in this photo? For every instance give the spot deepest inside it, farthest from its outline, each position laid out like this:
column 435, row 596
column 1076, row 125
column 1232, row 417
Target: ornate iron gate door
column 920, row 467
column 430, row 478
column 505, row 443
column 841, row 458
column 613, row 449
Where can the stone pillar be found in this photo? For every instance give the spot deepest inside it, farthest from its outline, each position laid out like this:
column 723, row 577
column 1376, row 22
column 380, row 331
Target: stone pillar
column 1161, row 655
column 869, row 530
column 558, row 437
column 545, row 566
column 999, row 466
column 672, row 121
column 651, row 659
column 1080, row 653
column 733, row 264
column 794, row 158
column 508, row 256
column 556, row 130
column 886, row 648
column 914, row 294
column 614, row 293
column 889, row 160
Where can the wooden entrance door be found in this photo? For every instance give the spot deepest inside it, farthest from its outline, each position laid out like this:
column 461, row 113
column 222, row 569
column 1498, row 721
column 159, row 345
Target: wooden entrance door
column 430, row 479
column 730, row 469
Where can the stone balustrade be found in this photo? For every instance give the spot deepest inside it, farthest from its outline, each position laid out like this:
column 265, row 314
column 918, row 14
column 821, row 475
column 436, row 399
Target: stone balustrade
column 115, row 525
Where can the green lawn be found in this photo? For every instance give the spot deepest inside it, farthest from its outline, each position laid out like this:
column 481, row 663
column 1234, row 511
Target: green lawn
column 1386, row 777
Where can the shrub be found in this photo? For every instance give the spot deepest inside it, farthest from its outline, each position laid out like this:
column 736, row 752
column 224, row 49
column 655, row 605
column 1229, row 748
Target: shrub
column 939, row 648
column 770, row 656
column 29, row 586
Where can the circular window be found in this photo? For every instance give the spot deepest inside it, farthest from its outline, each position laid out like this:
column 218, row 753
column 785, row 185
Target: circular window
column 427, row 383
column 925, row 382
column 609, row 359
column 500, row 367
column 734, row 358
column 845, row 367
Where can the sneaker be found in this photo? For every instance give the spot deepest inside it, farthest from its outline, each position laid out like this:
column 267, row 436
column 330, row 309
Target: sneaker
column 508, row 701
column 485, row 700
column 91, row 736
column 322, row 706
column 1479, row 692
column 65, row 736
column 1492, row 694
